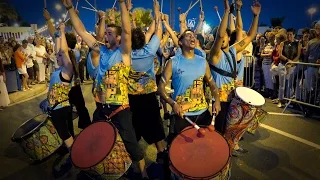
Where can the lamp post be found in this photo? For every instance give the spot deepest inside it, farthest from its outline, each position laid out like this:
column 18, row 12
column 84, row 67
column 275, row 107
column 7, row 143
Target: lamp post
column 311, row 11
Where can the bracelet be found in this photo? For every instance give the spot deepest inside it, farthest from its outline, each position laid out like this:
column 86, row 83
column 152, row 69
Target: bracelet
column 69, row 7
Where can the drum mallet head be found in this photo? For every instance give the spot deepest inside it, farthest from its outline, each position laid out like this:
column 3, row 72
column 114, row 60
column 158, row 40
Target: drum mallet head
column 201, row 132
column 211, row 126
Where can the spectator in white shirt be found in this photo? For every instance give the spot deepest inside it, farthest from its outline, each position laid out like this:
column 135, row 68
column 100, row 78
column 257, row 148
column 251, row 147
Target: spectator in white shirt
column 35, row 63
column 41, row 55
column 30, row 53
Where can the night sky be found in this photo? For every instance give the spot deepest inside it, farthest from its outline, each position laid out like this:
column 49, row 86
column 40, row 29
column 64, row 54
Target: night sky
column 294, row 10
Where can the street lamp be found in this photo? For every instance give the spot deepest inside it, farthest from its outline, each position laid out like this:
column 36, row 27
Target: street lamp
column 311, row 11
column 58, row 7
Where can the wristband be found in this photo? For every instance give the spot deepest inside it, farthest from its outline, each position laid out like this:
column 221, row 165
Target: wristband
column 69, row 7
column 56, row 34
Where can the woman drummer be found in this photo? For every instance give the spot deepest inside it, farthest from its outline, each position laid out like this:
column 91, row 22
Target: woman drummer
column 60, row 85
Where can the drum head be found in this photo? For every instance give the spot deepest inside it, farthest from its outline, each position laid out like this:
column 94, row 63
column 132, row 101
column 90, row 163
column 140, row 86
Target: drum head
column 93, row 144
column 199, row 157
column 250, row 96
column 29, row 126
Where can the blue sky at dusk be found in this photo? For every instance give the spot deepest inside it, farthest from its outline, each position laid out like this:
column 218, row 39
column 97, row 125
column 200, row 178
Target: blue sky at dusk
column 294, row 10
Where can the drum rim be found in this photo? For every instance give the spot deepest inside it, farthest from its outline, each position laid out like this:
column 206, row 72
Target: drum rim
column 184, row 175
column 248, row 102
column 114, row 142
column 27, row 134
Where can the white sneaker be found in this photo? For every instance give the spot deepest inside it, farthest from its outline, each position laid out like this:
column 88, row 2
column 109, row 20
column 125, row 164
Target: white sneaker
column 280, row 105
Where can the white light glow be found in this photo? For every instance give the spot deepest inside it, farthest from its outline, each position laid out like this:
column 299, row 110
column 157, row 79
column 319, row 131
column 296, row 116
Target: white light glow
column 64, row 15
column 206, row 27
column 312, row 10
column 52, row 20
column 16, row 25
column 58, row 7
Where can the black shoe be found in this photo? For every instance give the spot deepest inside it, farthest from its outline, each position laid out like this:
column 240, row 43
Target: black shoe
column 64, row 169
column 241, row 139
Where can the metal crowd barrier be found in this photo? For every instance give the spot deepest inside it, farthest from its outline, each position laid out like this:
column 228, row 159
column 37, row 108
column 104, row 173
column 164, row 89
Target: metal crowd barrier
column 302, row 84
column 249, row 71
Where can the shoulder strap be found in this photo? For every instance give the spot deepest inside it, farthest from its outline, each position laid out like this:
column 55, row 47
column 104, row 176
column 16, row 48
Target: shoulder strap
column 233, row 73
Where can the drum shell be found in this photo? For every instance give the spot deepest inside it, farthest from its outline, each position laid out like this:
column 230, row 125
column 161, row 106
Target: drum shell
column 114, row 165
column 41, row 142
column 223, row 174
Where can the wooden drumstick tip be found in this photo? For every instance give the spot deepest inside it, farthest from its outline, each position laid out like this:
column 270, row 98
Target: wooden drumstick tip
column 211, row 128
column 201, row 132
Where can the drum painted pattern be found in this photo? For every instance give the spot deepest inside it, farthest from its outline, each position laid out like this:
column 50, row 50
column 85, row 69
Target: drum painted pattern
column 113, row 166
column 193, row 157
column 260, row 116
column 43, row 142
column 240, row 116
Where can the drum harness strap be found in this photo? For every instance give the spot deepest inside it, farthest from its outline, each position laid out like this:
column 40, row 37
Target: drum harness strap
column 123, row 107
column 233, row 68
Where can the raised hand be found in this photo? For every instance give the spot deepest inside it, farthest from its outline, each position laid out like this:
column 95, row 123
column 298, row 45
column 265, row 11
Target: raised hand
column 239, row 4
column 101, row 14
column 226, row 6
column 201, row 17
column 133, row 15
column 62, row 27
column 67, row 3
column 183, row 17
column 156, row 6
column 129, row 5
column 166, row 18
column 46, row 14
column 256, row 8
column 112, row 16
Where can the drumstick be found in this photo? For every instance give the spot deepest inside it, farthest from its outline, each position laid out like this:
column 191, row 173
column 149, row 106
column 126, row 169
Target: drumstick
column 192, row 6
column 45, row 4
column 64, row 20
column 161, row 6
column 89, row 9
column 114, row 4
column 91, row 5
column 201, row 5
column 77, row 5
column 200, row 130
column 211, row 127
column 216, row 8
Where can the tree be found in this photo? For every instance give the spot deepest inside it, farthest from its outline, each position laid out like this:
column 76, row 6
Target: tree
column 277, row 21
column 143, row 17
column 7, row 13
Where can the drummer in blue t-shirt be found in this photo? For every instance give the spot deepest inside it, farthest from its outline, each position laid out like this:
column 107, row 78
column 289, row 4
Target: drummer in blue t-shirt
column 188, row 72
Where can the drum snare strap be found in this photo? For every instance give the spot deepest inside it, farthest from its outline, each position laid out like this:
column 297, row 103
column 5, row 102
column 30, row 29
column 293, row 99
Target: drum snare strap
column 123, row 107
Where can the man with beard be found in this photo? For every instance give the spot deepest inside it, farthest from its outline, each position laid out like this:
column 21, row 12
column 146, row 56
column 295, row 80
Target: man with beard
column 112, row 64
column 223, row 61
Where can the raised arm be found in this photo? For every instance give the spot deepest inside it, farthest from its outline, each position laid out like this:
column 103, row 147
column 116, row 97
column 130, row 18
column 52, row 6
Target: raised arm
column 200, row 25
column 133, row 16
column 158, row 24
column 165, row 20
column 79, row 27
column 126, row 33
column 67, row 64
column 216, row 48
column 239, row 23
column 213, row 88
column 256, row 9
column 50, row 25
column 183, row 22
column 232, row 26
column 150, row 31
column 101, row 26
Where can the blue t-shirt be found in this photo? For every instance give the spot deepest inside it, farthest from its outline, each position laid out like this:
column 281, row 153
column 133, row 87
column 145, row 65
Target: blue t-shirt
column 197, row 51
column 111, row 78
column 58, row 91
column 187, row 82
column 225, row 84
column 142, row 74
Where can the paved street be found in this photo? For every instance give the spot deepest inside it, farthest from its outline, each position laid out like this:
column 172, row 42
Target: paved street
column 285, row 147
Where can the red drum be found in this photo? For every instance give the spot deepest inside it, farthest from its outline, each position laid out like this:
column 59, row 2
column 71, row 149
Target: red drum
column 242, row 110
column 100, row 151
column 194, row 157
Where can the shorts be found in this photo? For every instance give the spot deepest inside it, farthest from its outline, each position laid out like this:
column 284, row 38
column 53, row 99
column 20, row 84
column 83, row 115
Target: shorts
column 123, row 122
column 22, row 70
column 146, row 117
column 30, row 72
column 35, row 66
column 221, row 120
column 62, row 121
